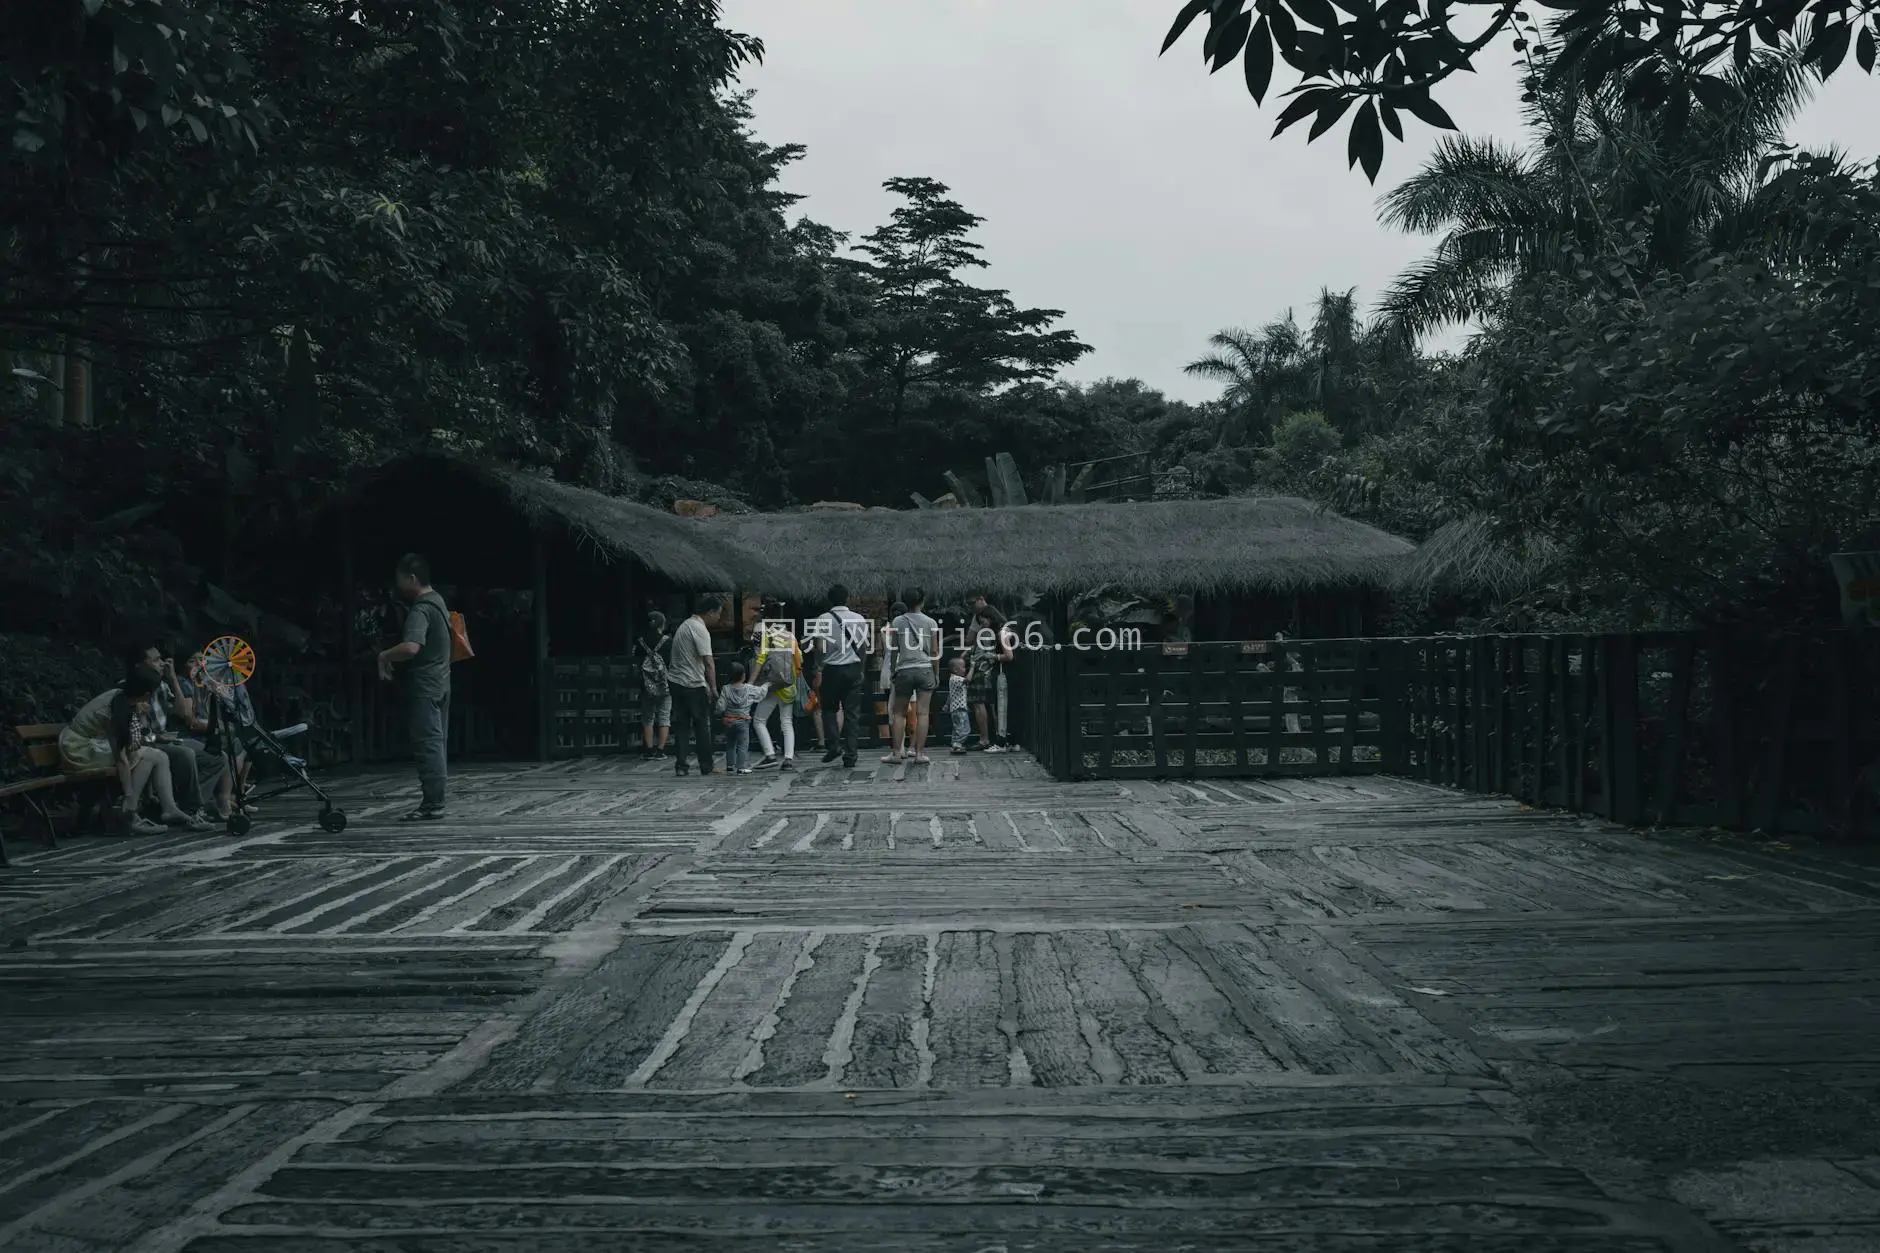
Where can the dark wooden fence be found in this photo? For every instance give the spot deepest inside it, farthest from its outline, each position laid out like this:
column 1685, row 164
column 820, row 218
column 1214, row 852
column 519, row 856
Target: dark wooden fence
column 1672, row 728
column 1239, row 708
column 1767, row 734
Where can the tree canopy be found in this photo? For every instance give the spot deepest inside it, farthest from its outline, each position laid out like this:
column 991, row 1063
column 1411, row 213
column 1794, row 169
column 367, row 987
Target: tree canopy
column 1387, row 57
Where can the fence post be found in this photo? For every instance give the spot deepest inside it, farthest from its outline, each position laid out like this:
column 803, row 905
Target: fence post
column 544, row 675
column 1622, row 765
column 1677, row 720
column 1062, row 702
column 1765, row 813
column 1543, row 702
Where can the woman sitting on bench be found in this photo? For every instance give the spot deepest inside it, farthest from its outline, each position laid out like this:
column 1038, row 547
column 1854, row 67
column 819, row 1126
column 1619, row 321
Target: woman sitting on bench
column 113, row 731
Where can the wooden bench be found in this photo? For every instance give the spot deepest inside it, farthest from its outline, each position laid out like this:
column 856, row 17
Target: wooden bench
column 32, row 793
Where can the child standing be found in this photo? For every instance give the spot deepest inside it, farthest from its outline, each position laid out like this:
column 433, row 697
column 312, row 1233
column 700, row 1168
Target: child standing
column 956, row 705
column 736, row 702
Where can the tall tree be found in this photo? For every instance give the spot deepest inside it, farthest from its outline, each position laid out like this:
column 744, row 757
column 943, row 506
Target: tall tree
column 929, row 327
column 1690, row 174
column 1262, row 376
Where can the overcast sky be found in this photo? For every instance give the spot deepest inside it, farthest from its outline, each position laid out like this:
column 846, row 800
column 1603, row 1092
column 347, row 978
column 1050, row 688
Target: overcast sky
column 1136, row 193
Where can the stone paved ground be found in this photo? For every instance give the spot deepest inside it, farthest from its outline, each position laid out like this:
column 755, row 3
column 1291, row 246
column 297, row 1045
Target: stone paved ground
column 965, row 1009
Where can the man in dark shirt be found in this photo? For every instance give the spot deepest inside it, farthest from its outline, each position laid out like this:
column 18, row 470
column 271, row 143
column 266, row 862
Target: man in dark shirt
column 424, row 651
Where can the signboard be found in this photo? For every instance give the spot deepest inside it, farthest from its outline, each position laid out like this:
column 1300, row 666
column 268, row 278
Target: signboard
column 1859, row 577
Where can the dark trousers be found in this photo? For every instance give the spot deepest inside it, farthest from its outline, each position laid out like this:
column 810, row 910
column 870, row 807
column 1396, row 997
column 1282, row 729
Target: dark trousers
column 692, row 722
column 193, row 773
column 430, row 738
column 842, row 689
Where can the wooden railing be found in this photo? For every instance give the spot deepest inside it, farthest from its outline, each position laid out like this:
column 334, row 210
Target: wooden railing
column 1236, row 708
column 1671, row 728
column 1662, row 728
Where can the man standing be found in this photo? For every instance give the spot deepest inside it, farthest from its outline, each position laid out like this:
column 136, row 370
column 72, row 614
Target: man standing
column 692, row 678
column 424, row 651
column 842, row 644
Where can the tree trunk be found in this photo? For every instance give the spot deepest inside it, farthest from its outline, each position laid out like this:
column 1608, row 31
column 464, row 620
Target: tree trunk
column 75, row 409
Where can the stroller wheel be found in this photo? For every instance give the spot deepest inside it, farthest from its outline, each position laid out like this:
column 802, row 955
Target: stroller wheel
column 333, row 820
column 240, row 823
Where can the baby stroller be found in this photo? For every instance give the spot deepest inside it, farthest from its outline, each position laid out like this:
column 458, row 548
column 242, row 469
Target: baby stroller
column 227, row 664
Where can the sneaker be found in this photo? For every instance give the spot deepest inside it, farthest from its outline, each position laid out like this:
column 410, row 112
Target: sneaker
column 892, row 759
column 423, row 813
column 189, row 822
column 849, row 762
column 789, row 763
column 769, row 763
column 958, row 752
column 998, row 748
column 746, row 770
column 136, row 825
column 830, row 755
column 921, row 761
column 682, row 770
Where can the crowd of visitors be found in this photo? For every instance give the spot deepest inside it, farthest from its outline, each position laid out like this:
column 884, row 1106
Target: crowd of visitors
column 823, row 674
column 179, row 746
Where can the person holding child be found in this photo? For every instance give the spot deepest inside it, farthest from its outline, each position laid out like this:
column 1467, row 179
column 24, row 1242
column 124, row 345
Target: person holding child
column 114, row 730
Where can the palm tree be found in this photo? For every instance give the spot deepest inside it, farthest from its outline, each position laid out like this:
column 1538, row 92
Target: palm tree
column 1263, row 371
column 1689, row 171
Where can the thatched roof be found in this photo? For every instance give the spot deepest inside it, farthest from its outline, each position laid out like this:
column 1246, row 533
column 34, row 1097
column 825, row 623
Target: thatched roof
column 678, row 548
column 1236, row 544
column 1467, row 557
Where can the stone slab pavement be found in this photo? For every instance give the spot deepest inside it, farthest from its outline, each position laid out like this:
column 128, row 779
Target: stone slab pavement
column 957, row 1007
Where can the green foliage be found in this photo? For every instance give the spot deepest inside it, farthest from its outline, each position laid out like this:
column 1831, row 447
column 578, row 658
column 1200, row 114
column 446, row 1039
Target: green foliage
column 1689, row 174
column 1304, row 439
column 1386, row 58
column 47, row 679
column 927, row 327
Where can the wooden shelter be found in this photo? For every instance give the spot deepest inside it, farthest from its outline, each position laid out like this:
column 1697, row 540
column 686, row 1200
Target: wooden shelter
column 554, row 581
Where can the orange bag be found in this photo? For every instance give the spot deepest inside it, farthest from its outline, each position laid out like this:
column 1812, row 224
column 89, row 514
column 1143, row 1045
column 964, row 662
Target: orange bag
column 460, row 649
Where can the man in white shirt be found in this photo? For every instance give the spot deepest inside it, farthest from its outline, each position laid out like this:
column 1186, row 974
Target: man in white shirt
column 842, row 642
column 692, row 679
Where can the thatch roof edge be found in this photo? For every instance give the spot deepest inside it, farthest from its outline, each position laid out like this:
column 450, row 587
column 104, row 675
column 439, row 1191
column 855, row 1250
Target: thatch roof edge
column 623, row 529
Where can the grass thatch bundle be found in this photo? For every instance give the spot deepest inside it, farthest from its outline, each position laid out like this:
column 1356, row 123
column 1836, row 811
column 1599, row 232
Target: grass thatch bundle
column 1467, row 558
column 678, row 548
column 1268, row 543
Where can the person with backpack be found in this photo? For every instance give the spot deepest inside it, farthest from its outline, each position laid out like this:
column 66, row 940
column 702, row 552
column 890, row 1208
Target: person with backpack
column 425, row 651
column 779, row 667
column 655, row 687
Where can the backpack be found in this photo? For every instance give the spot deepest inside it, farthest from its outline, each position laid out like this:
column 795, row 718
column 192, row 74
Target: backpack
column 653, row 670
column 779, row 665
column 460, row 649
